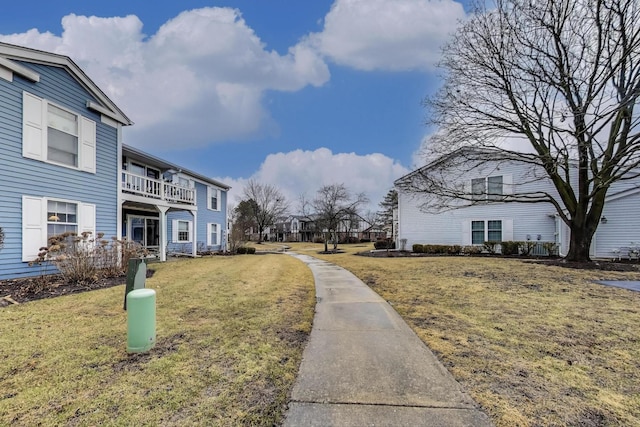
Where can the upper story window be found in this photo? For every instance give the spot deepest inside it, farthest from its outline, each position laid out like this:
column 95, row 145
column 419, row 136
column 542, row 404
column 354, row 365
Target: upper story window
column 56, row 135
column 490, row 188
column 184, row 182
column 62, row 136
column 142, row 170
column 213, row 198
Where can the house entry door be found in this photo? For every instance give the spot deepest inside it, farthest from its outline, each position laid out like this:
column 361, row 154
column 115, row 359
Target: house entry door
column 146, row 231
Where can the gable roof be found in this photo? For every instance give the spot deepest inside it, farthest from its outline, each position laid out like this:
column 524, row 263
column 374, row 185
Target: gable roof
column 10, row 53
column 128, row 150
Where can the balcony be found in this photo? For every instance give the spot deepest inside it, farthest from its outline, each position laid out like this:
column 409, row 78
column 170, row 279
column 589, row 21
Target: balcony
column 157, row 189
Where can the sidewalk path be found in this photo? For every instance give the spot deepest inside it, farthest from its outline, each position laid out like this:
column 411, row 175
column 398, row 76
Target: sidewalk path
column 363, row 366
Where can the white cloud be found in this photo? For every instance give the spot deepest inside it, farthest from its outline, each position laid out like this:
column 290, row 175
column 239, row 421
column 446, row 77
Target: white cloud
column 393, row 35
column 199, row 79
column 304, row 172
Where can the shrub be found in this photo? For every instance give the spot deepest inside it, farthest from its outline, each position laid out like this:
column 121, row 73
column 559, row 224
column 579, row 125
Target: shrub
column 383, row 244
column 454, row 249
column 491, row 246
column 471, row 250
column 526, row 247
column 365, row 240
column 550, row 247
column 83, row 259
column 251, row 250
column 241, row 250
column 510, row 247
column 417, row 248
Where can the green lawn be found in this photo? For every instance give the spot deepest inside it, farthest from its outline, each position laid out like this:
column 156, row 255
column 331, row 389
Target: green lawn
column 230, row 335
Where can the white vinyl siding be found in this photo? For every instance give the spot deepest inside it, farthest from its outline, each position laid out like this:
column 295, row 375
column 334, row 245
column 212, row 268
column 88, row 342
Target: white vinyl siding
column 213, row 199
column 39, row 212
column 213, row 235
column 181, row 231
column 53, row 134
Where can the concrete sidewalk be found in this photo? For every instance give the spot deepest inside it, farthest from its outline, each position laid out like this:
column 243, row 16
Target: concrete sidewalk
column 363, row 366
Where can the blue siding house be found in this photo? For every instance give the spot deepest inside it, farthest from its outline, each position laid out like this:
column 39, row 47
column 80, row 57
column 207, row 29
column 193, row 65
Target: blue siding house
column 169, row 209
column 60, row 137
column 65, row 168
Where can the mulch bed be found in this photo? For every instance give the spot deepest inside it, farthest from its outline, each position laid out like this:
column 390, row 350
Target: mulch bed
column 35, row 288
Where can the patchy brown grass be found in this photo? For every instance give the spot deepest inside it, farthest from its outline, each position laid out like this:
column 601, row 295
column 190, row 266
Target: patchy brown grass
column 230, row 335
column 533, row 344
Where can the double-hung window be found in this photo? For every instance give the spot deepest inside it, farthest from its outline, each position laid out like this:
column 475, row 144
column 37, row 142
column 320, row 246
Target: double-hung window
column 183, row 231
column 213, row 198
column 62, row 136
column 213, row 239
column 486, row 231
column 494, row 188
column 491, row 188
column 43, row 217
column 494, row 231
column 62, row 217
column 478, row 189
column 477, row 232
column 53, row 134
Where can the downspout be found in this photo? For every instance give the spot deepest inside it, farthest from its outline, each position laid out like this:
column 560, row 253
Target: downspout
column 119, row 206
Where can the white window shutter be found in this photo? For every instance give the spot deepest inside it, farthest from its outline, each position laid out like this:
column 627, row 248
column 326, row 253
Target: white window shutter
column 507, row 184
column 34, row 226
column 34, row 128
column 466, row 232
column 507, row 230
column 209, row 230
column 174, row 230
column 87, row 145
column 209, row 195
column 190, row 232
column 87, row 219
column 219, row 200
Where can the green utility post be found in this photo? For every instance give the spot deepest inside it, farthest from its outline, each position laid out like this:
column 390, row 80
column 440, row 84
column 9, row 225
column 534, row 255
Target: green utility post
column 141, row 320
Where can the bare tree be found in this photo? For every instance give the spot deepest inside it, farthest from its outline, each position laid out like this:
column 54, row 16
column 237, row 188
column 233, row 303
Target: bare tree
column 332, row 206
column 553, row 85
column 267, row 204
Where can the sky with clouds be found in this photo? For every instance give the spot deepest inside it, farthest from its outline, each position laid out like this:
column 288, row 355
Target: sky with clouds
column 293, row 93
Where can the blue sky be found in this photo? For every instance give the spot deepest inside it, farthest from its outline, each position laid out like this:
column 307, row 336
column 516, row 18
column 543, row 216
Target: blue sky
column 293, row 93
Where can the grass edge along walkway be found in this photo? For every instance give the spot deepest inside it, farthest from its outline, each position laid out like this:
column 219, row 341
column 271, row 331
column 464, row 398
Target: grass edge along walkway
column 230, row 335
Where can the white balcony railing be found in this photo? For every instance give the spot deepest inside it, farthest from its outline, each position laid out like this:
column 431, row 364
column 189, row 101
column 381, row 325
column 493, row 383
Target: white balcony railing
column 157, row 189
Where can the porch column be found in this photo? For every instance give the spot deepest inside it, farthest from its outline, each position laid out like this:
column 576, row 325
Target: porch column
column 194, row 238
column 163, row 232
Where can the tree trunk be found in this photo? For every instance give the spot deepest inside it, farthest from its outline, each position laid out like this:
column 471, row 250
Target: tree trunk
column 580, row 244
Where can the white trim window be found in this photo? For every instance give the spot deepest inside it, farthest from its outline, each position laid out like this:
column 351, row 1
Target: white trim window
column 62, row 217
column 213, row 234
column 491, row 188
column 182, row 231
column 478, row 231
column 53, row 134
column 213, row 199
column 43, row 218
